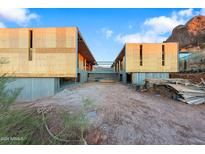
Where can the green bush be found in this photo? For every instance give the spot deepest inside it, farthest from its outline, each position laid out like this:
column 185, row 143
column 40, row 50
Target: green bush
column 36, row 125
column 7, row 96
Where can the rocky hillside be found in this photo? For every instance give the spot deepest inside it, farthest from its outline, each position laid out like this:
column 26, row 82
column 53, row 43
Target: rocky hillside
column 190, row 36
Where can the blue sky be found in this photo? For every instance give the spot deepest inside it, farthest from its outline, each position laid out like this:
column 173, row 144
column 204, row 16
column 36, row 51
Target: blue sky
column 104, row 30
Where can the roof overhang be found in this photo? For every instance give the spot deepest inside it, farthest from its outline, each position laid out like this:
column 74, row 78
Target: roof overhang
column 84, row 50
column 120, row 55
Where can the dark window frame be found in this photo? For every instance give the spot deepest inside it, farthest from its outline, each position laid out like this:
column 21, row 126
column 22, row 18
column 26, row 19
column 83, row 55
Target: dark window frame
column 141, row 56
column 30, row 54
column 163, row 55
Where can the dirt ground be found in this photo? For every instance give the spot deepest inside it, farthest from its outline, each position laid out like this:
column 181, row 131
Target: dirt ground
column 193, row 77
column 120, row 115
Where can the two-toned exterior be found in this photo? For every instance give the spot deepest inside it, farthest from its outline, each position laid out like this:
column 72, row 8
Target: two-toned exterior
column 41, row 57
column 138, row 61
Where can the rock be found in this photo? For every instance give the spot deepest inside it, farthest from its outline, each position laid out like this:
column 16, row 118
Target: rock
column 190, row 35
column 103, row 137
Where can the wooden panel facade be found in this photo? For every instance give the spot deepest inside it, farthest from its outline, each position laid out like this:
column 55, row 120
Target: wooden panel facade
column 80, row 62
column 40, row 52
column 149, row 57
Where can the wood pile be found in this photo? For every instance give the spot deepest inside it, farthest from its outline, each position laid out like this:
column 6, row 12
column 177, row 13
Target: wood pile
column 181, row 89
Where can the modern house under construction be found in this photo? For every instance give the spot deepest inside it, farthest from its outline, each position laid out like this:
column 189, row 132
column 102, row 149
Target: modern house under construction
column 43, row 58
column 138, row 61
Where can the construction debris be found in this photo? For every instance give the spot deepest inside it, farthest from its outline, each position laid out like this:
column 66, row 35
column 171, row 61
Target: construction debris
column 179, row 89
column 192, row 77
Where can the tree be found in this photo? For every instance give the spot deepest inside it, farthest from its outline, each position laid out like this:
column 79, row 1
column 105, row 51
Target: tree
column 7, row 96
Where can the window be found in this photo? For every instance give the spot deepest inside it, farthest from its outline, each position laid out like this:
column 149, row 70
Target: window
column 163, row 55
column 30, row 45
column 141, row 55
column 30, row 39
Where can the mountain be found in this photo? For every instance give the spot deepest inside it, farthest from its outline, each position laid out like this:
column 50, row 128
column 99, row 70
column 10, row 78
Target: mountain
column 190, row 36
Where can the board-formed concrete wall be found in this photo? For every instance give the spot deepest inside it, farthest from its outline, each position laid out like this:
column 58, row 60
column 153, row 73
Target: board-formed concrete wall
column 83, row 76
column 97, row 76
column 35, row 88
column 122, row 76
column 138, row 78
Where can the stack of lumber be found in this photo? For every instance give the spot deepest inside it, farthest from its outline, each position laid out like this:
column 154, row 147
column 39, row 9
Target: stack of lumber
column 182, row 89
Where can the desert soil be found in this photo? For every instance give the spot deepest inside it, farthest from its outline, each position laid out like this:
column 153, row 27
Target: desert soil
column 120, row 115
column 193, row 77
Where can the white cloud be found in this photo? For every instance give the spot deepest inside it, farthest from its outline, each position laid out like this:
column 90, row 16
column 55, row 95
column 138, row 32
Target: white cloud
column 156, row 29
column 107, row 32
column 187, row 12
column 139, row 37
column 20, row 16
column 2, row 25
column 202, row 11
column 162, row 24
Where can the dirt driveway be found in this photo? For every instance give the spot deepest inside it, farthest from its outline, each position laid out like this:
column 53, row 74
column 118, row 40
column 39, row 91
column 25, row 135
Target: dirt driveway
column 121, row 115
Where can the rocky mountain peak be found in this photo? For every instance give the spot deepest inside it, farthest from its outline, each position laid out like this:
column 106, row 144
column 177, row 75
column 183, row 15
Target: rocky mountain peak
column 190, row 36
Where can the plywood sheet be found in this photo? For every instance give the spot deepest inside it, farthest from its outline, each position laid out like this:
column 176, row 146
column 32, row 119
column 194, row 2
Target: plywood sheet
column 52, row 55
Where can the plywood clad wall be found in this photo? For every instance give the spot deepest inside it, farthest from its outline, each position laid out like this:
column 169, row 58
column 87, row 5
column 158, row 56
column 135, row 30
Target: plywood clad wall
column 13, row 38
column 53, row 55
column 54, row 37
column 61, row 37
column 152, row 58
column 80, row 59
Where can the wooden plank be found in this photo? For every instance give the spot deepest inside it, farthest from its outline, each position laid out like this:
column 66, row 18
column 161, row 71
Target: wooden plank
column 188, row 93
column 185, row 89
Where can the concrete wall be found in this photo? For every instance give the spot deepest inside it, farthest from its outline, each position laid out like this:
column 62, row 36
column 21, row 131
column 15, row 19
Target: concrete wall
column 96, row 76
column 124, row 77
column 35, row 88
column 83, row 76
column 138, row 78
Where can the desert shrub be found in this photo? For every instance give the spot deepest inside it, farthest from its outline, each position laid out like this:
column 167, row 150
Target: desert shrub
column 7, row 96
column 38, row 126
column 21, row 127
